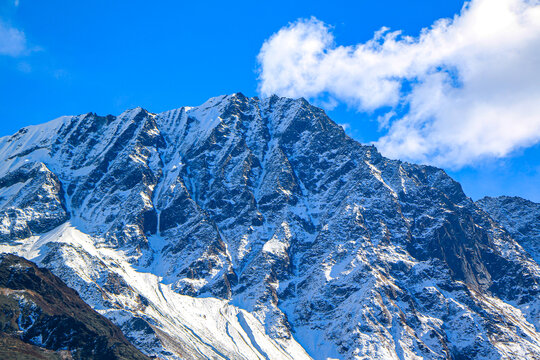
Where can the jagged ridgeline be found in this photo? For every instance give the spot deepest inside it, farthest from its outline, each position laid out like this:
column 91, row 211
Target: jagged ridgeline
column 251, row 228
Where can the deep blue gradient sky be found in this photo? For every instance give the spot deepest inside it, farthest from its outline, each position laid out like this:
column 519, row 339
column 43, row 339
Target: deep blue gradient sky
column 105, row 57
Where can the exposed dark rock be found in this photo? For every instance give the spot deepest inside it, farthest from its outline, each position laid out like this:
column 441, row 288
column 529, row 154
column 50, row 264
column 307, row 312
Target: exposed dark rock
column 38, row 309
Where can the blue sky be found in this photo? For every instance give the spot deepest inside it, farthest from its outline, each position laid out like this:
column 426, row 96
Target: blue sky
column 60, row 57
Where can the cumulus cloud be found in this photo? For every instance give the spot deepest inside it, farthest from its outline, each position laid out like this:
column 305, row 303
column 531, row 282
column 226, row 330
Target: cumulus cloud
column 12, row 41
column 464, row 89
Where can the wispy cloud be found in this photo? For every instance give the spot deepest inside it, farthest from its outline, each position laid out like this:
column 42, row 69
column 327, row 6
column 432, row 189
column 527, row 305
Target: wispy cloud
column 465, row 89
column 12, row 41
column 24, row 67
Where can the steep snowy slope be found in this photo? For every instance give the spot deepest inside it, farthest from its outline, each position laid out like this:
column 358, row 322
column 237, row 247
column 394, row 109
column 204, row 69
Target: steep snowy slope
column 150, row 313
column 520, row 217
column 247, row 228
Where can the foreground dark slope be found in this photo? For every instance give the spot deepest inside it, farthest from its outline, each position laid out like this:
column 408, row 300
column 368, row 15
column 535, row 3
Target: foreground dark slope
column 269, row 204
column 38, row 312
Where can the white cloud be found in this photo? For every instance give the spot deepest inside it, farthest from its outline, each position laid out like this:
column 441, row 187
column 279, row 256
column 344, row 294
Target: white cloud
column 345, row 126
column 473, row 81
column 12, row 41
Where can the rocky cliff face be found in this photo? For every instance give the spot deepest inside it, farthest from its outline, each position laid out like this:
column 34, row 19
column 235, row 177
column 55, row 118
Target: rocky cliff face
column 520, row 217
column 248, row 228
column 40, row 317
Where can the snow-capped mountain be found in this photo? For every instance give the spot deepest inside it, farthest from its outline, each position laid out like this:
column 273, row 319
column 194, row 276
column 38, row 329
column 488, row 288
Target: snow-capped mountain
column 520, row 217
column 251, row 228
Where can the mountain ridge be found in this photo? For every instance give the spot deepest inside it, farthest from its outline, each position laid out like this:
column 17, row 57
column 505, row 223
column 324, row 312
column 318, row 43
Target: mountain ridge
column 521, row 217
column 325, row 246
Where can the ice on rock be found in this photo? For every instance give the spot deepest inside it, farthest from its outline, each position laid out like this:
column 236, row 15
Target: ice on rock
column 251, row 228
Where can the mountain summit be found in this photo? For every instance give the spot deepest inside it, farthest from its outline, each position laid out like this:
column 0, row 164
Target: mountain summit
column 251, row 228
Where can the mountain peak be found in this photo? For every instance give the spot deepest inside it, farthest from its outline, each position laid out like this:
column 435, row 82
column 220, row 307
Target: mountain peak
column 260, row 219
column 519, row 216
